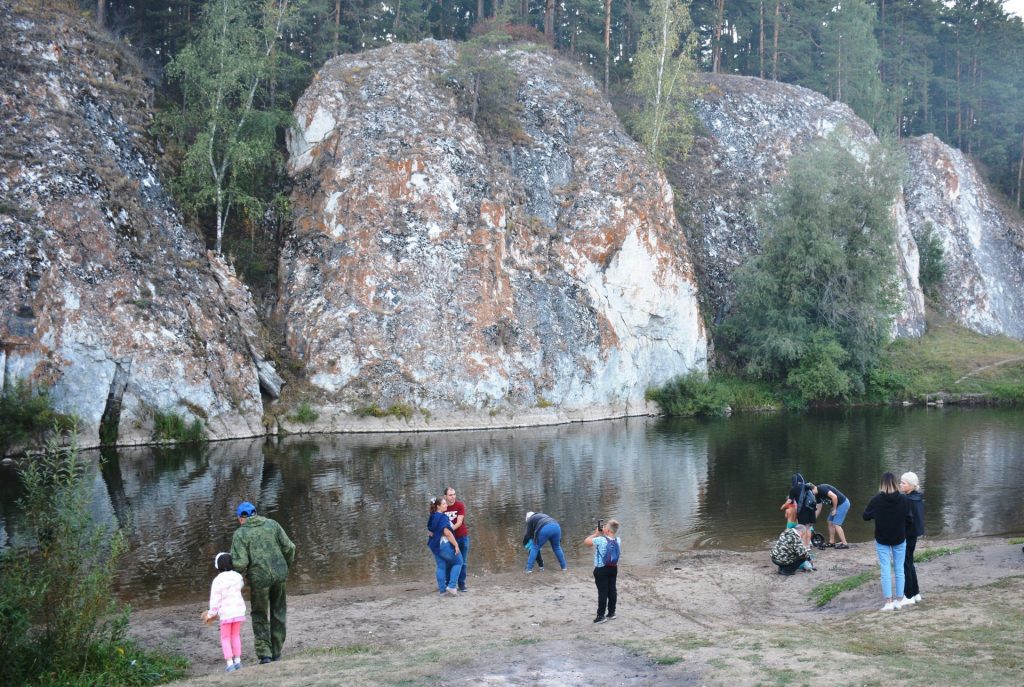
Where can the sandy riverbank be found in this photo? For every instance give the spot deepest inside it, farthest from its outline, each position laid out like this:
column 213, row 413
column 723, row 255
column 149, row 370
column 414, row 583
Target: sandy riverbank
column 708, row 617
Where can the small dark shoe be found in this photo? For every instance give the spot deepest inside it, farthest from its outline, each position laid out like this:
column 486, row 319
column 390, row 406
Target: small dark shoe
column 842, row 546
column 610, row 616
column 265, row 659
column 276, row 658
column 600, row 619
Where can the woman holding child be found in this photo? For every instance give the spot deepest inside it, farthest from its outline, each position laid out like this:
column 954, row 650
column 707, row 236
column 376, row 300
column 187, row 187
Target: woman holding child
column 445, row 547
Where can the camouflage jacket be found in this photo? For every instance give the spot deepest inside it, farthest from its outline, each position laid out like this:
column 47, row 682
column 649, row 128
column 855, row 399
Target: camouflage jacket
column 262, row 552
column 789, row 548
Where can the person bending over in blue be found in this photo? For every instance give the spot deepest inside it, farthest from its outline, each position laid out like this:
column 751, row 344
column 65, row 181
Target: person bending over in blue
column 541, row 528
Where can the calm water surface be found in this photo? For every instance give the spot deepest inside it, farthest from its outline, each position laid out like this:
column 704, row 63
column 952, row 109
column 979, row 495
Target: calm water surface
column 356, row 505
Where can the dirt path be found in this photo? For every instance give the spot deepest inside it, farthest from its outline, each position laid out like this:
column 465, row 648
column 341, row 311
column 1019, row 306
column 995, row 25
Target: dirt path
column 986, row 367
column 709, row 617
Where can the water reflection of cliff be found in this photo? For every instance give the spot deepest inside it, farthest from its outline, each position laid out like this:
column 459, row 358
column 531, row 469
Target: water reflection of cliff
column 356, row 505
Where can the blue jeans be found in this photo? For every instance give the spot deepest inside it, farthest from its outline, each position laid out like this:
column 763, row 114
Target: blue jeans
column 464, row 550
column 890, row 558
column 449, row 565
column 550, row 532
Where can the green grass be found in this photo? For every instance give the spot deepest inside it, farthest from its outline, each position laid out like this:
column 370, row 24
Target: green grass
column 169, row 427
column 824, row 593
column 400, row 410
column 930, row 554
column 940, row 360
column 304, row 414
column 1016, row 540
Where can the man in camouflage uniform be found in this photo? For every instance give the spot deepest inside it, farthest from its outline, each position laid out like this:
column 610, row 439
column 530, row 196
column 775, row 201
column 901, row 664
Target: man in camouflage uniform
column 263, row 554
column 789, row 552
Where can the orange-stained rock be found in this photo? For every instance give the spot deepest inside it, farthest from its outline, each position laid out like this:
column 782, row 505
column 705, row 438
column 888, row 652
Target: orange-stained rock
column 439, row 265
column 104, row 295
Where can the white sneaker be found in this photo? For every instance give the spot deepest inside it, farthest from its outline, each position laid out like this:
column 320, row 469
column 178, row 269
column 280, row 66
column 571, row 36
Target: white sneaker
column 906, row 601
column 451, row 592
column 891, row 606
column 917, row 598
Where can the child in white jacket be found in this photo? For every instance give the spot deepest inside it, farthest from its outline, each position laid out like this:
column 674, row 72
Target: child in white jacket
column 226, row 602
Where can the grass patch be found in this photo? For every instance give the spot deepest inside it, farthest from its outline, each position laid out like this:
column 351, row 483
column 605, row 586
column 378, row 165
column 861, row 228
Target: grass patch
column 942, row 358
column 667, row 660
column 304, row 414
column 350, row 650
column 1015, row 540
column 400, row 410
column 824, row 593
column 543, row 402
column 27, row 414
column 929, row 554
column 169, row 427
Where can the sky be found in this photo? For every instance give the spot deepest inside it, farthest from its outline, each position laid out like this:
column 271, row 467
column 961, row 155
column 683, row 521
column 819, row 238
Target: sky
column 1014, row 7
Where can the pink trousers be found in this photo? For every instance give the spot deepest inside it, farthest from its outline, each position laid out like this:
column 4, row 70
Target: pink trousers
column 231, row 639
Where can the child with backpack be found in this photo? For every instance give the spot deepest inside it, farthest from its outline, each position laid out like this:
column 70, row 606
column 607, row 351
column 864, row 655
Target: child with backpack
column 607, row 548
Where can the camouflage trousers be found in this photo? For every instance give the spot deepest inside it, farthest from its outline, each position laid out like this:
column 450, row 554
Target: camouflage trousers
column 269, row 617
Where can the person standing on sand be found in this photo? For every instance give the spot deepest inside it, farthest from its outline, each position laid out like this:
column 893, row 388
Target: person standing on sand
column 442, row 543
column 263, row 554
column 541, row 528
column 456, row 512
column 892, row 515
column 607, row 547
column 911, row 488
column 840, row 506
column 226, row 603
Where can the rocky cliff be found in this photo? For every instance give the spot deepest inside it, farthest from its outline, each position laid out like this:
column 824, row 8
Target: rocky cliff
column 435, row 264
column 748, row 130
column 982, row 241
column 104, row 295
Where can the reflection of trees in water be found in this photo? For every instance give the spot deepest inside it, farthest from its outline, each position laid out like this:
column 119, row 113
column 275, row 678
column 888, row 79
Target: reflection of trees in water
column 356, row 505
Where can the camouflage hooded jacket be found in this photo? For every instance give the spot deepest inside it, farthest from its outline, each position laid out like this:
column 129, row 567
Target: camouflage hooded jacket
column 262, row 552
column 788, row 549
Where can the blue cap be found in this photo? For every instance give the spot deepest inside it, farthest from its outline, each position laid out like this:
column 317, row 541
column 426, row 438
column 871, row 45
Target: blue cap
column 245, row 509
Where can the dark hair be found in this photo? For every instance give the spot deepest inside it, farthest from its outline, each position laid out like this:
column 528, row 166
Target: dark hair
column 223, row 562
column 435, row 504
column 446, row 490
column 888, row 484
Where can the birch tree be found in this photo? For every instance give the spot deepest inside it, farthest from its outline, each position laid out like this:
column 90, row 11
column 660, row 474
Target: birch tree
column 226, row 120
column 663, row 80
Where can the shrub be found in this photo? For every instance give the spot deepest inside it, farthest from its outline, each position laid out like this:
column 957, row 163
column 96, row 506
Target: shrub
column 826, row 262
column 933, row 267
column 171, row 427
column 690, row 395
column 26, row 414
column 305, row 414
column 819, row 376
column 59, row 620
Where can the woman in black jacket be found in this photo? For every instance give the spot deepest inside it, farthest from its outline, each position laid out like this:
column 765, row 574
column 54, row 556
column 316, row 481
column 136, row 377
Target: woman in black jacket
column 911, row 488
column 891, row 512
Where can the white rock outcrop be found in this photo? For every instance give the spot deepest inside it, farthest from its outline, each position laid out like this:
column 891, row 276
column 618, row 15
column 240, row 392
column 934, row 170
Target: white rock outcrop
column 437, row 265
column 982, row 239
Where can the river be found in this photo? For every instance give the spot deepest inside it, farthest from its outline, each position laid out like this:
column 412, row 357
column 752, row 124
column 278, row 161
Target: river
column 356, row 505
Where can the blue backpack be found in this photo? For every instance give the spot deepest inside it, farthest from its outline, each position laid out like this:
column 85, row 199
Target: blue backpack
column 611, row 553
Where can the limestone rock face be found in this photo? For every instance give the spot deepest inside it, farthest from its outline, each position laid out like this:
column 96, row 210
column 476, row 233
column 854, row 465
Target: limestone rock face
column 104, row 295
column 750, row 129
column 435, row 264
column 983, row 242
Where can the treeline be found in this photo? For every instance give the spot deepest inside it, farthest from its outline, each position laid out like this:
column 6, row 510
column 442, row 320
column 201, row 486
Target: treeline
column 908, row 67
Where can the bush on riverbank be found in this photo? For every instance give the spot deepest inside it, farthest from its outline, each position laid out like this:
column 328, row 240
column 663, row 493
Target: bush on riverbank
column 59, row 621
